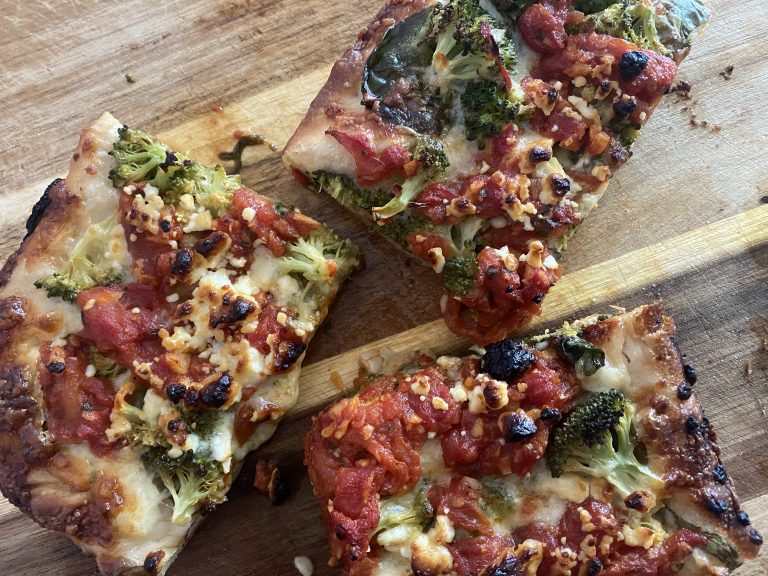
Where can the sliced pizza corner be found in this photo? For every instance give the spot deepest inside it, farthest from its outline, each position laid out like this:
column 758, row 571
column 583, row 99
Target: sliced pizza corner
column 154, row 322
column 580, row 451
column 479, row 135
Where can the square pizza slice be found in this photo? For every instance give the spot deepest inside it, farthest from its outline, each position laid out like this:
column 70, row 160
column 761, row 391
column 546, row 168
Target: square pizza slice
column 477, row 135
column 579, row 452
column 153, row 324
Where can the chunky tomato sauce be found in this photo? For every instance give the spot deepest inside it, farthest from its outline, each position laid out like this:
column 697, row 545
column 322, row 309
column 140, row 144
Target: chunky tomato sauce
column 367, row 447
column 78, row 406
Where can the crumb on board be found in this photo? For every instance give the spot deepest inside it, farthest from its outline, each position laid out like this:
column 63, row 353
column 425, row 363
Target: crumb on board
column 749, row 369
column 682, row 90
column 130, row 79
column 336, row 380
column 304, row 565
column 727, row 72
column 269, row 479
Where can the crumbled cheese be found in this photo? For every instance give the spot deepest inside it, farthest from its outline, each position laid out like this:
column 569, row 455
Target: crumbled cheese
column 439, row 403
column 248, row 214
column 436, row 259
column 90, row 371
column 89, row 304
column 172, row 297
column 550, row 262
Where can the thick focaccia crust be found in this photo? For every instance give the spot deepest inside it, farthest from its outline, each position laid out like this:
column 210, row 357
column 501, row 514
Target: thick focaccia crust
column 351, row 455
column 107, row 500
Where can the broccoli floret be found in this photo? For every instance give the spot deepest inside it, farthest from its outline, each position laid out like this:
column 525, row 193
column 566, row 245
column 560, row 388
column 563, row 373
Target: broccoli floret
column 411, row 509
column 459, row 274
column 192, row 480
column 460, row 269
column 634, row 22
column 432, row 160
column 142, row 158
column 487, row 108
column 90, row 264
column 347, row 193
column 595, row 440
column 212, row 188
column 467, row 43
column 319, row 257
column 496, row 499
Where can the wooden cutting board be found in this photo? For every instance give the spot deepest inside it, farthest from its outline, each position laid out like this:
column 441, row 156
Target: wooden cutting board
column 686, row 220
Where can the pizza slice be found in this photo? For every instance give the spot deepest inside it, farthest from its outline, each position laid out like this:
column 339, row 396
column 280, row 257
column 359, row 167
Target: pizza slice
column 580, row 452
column 153, row 324
column 477, row 135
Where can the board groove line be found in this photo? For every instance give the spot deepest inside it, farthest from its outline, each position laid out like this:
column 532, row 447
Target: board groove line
column 585, row 289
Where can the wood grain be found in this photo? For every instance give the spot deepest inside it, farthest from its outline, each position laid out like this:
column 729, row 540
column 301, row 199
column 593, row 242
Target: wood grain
column 681, row 221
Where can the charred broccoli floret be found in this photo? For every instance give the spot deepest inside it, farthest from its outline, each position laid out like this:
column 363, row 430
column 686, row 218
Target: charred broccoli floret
column 487, row 109
column 105, row 366
column 90, row 264
column 468, row 43
column 142, row 158
column 459, row 273
column 319, row 257
column 191, row 479
column 634, row 22
column 432, row 160
column 595, row 440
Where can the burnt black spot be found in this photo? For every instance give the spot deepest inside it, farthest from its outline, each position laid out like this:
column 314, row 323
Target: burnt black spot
column 539, row 298
column 560, row 186
column 175, row 392
column 632, row 64
column 743, row 518
column 170, row 160
column 217, row 392
column 241, row 309
column 518, row 427
column 625, row 106
column 287, row 354
column 605, row 86
column 552, row 95
column 755, row 537
column 550, row 414
column 718, row 507
column 55, row 367
column 719, row 474
column 208, row 244
column 192, row 396
column 40, row 206
column 690, row 374
column 234, row 311
column 341, row 532
column 684, row 390
column 491, row 272
column 507, row 566
column 152, row 561
column 635, row 501
column 539, row 154
column 165, row 225
column 182, row 262
column 278, row 488
column 691, row 424
column 174, row 425
column 594, row 567
column 200, row 470
column 507, row 359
